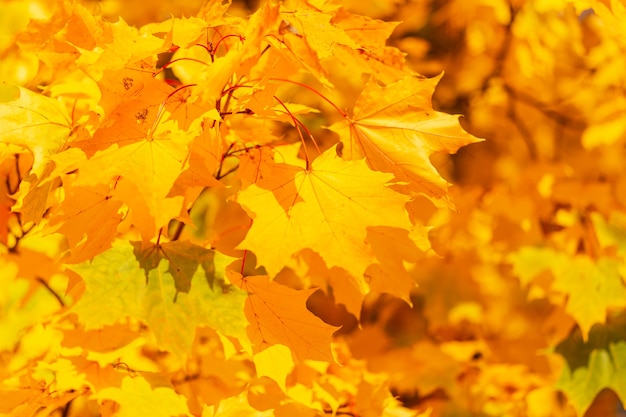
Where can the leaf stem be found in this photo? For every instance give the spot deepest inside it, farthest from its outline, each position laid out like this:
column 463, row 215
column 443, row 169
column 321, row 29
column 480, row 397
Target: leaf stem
column 299, row 125
column 217, row 45
column 313, row 90
column 157, row 119
column 164, row 67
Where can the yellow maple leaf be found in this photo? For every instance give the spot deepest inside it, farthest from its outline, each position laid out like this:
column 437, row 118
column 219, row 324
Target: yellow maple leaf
column 274, row 362
column 136, row 397
column 327, row 208
column 152, row 165
column 397, row 130
column 317, row 29
column 33, row 122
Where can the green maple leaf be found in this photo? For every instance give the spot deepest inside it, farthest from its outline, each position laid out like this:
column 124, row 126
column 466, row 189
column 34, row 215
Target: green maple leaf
column 172, row 287
column 595, row 364
column 593, row 287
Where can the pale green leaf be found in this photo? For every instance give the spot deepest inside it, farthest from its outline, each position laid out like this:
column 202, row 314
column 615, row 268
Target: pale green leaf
column 173, row 288
column 595, row 364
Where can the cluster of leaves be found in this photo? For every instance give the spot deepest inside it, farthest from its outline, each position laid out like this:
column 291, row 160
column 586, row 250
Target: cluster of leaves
column 175, row 195
column 180, row 199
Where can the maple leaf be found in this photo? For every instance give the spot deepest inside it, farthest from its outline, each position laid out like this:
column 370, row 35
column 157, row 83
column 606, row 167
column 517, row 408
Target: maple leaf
column 212, row 78
column 332, row 43
column 183, row 32
column 152, row 165
column 32, row 399
column 235, row 406
column 136, row 397
column 145, row 139
column 394, row 249
column 131, row 100
column 327, row 208
column 396, row 129
column 593, row 288
column 202, row 161
column 45, row 37
column 274, row 362
column 24, row 400
column 594, row 364
column 124, row 45
column 173, row 287
column 278, row 315
column 317, row 29
column 107, row 338
column 373, row 57
column 88, row 213
column 34, row 122
column 134, row 103
column 347, row 289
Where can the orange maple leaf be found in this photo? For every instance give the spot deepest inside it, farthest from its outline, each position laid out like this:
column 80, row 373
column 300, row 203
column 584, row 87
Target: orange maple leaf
column 278, row 315
column 88, row 219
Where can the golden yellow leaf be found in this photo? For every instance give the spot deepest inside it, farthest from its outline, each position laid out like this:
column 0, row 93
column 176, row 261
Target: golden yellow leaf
column 34, row 122
column 137, row 397
column 396, row 129
column 327, row 208
column 274, row 362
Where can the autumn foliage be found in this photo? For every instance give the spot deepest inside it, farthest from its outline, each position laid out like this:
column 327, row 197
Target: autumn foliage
column 254, row 209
